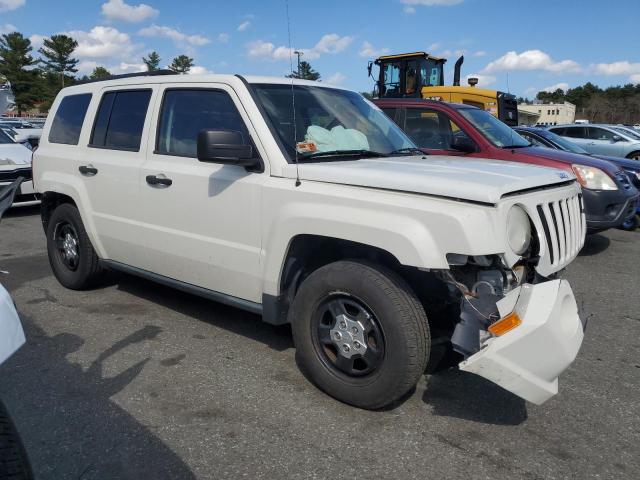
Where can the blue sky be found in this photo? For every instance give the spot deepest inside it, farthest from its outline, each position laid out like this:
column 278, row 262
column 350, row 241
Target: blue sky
column 520, row 46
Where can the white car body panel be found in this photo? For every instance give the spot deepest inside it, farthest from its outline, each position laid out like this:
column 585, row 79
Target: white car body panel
column 11, row 332
column 15, row 157
column 227, row 230
column 528, row 359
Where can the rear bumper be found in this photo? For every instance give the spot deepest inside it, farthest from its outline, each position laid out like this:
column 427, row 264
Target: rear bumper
column 608, row 209
column 528, row 359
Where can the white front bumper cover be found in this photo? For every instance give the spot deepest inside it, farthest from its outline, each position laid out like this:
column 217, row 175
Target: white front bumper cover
column 528, row 359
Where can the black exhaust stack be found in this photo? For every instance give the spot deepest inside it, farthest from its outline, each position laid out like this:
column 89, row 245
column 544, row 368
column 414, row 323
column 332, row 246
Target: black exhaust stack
column 456, row 71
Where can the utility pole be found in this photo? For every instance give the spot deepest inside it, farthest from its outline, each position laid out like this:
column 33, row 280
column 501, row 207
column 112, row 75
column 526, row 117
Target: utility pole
column 299, row 54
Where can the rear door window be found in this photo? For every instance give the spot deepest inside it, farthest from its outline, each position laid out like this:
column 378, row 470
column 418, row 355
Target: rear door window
column 575, row 132
column 187, row 112
column 68, row 120
column 120, row 120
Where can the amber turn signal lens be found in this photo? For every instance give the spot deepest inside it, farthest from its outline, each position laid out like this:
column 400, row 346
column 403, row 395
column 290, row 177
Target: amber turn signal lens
column 505, row 324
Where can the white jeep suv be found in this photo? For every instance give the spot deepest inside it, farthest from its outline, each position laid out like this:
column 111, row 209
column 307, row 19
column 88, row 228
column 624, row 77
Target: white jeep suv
column 304, row 203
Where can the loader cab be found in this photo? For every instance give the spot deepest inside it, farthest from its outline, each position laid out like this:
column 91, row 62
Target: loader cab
column 406, row 74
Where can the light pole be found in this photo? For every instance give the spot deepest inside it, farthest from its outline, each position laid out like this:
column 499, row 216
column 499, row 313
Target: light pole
column 299, row 54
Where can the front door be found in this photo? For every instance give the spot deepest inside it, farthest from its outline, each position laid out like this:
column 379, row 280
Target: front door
column 602, row 142
column 202, row 223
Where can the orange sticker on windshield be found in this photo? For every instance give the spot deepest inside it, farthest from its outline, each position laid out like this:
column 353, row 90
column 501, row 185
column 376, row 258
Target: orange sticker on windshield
column 306, row 147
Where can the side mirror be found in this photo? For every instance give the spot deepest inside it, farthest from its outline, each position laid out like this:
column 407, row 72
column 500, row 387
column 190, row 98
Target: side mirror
column 463, row 144
column 370, row 67
column 225, row 146
column 617, row 138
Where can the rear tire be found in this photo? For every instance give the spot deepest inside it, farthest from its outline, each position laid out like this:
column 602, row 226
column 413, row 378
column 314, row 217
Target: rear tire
column 632, row 224
column 72, row 258
column 380, row 324
column 634, row 155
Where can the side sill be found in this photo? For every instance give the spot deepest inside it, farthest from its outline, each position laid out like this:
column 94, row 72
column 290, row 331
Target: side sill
column 241, row 303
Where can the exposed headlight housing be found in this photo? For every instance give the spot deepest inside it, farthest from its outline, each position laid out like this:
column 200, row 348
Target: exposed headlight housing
column 518, row 230
column 593, row 178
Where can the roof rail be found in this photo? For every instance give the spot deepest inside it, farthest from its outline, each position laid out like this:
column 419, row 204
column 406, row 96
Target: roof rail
column 127, row 75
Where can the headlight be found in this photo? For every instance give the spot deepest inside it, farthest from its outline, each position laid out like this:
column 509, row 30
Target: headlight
column 593, row 178
column 518, row 230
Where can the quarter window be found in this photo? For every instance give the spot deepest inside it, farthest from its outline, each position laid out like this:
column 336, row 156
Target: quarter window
column 120, row 120
column 185, row 113
column 67, row 123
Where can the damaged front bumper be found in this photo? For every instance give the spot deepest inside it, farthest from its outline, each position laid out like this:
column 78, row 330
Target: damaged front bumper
column 528, row 359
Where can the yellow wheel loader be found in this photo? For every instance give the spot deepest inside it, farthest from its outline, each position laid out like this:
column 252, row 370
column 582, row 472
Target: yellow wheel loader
column 421, row 75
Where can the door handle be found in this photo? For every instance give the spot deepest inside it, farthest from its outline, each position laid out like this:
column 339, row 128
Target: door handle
column 88, row 170
column 159, row 181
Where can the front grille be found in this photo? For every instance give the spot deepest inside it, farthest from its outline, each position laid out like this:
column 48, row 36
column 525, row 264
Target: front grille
column 624, row 180
column 633, row 176
column 14, row 174
column 564, row 228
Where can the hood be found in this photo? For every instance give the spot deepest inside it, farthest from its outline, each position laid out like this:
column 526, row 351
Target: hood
column 569, row 158
column 621, row 161
column 14, row 155
column 472, row 179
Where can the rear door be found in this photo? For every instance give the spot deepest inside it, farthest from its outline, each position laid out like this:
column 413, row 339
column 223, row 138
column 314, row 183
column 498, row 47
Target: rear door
column 111, row 168
column 577, row 134
column 203, row 228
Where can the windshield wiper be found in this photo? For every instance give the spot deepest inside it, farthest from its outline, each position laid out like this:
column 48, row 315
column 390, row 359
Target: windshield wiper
column 343, row 153
column 414, row 150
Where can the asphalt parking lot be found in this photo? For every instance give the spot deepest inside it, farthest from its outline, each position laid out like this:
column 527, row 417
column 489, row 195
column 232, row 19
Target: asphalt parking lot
column 134, row 380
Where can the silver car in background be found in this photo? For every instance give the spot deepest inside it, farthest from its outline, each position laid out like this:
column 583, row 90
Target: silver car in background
column 601, row 139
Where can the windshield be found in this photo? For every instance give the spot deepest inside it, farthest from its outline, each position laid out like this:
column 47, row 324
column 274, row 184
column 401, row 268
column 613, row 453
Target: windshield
column 628, row 132
column 328, row 123
column 563, row 143
column 498, row 133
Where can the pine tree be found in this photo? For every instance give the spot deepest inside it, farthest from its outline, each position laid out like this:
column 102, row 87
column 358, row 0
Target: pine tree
column 99, row 72
column 181, row 64
column 306, row 72
column 152, row 61
column 57, row 52
column 17, row 65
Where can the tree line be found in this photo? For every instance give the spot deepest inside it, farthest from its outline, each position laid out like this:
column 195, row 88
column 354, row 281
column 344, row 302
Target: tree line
column 36, row 80
column 618, row 104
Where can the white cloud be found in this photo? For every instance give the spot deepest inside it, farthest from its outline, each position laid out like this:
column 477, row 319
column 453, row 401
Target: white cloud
column 480, row 53
column 223, row 38
column 331, row 43
column 552, row 88
column 434, row 46
column 432, row 3
column 244, row 25
column 177, row 36
column 8, row 5
column 199, row 70
column 7, row 28
column 102, row 42
column 336, row 79
column 367, row 50
column 409, row 10
column 36, row 40
column 483, row 80
column 118, row 10
column 530, row 60
column 635, row 78
column 617, row 68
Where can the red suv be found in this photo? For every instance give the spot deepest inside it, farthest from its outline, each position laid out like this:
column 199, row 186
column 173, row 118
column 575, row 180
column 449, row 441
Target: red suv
column 457, row 129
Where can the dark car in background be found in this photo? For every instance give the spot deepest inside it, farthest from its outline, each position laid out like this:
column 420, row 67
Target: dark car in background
column 541, row 137
column 456, row 129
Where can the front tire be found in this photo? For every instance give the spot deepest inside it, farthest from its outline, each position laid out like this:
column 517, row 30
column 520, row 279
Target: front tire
column 361, row 335
column 72, row 258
